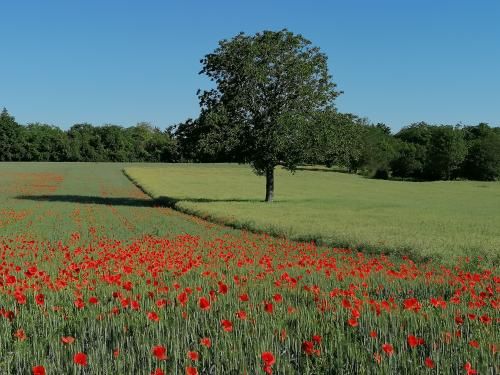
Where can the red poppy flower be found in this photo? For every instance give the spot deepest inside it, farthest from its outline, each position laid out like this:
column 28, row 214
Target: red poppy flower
column 20, row 334
column 153, row 316
column 222, row 288
column 277, row 298
column 353, row 322
column 204, row 303
column 160, row 352
column 227, row 325
column 182, row 298
column 468, row 368
column 485, row 319
column 268, row 307
column 93, row 301
column 429, row 363
column 158, row 371
column 241, row 314
column 308, row 347
column 438, row 302
column 191, row 371
column 67, row 339
column 116, row 353
column 79, row 304
column 346, row 304
column 388, row 349
column 268, row 358
column 412, row 304
column 474, row 344
column 373, row 334
column 20, row 298
column 317, row 339
column 414, row 341
column 193, row 356
column 40, row 299
column 38, row 370
column 244, row 298
column 205, row 341
column 80, row 359
column 161, row 303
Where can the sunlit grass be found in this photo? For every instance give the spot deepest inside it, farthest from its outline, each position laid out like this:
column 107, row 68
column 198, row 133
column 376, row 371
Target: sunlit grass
column 438, row 219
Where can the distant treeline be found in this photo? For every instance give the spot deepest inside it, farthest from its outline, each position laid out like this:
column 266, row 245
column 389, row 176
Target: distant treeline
column 84, row 142
column 419, row 151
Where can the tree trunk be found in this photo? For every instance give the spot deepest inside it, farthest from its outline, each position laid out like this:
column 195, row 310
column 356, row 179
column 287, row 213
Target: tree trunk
column 269, row 184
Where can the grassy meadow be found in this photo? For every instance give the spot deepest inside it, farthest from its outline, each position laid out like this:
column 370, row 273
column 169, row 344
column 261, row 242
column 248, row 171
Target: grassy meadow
column 98, row 278
column 443, row 220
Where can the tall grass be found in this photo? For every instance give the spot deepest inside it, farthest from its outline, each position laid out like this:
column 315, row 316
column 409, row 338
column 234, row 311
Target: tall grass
column 426, row 219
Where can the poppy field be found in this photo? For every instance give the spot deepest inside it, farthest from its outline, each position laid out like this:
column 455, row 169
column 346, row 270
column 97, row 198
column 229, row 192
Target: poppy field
column 97, row 278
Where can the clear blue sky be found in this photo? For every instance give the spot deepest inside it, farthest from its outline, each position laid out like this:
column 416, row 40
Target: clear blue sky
column 106, row 61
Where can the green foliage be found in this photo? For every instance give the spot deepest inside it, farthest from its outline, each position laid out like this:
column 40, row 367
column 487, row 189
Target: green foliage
column 84, row 142
column 431, row 152
column 10, row 137
column 337, row 140
column 407, row 163
column 483, row 157
column 269, row 86
column 43, row 142
column 378, row 150
column 447, row 151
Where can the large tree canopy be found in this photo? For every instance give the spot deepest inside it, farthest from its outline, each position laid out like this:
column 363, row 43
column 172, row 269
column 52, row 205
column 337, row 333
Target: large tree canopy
column 269, row 86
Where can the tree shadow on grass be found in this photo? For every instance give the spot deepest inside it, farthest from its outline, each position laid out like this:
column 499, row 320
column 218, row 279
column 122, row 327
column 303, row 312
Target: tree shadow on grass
column 122, row 201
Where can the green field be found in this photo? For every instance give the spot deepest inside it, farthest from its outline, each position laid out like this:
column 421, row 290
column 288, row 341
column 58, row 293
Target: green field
column 87, row 257
column 439, row 219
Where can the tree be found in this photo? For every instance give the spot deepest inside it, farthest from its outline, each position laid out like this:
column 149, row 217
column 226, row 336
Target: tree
column 378, row 151
column 10, row 137
column 337, row 140
column 44, row 142
column 268, row 88
column 447, row 151
column 406, row 163
column 483, row 157
column 414, row 151
column 85, row 143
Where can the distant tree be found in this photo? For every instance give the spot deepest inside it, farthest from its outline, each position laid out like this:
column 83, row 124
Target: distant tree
column 383, row 127
column 483, row 156
column 407, row 163
column 43, row 142
column 10, row 137
column 85, row 143
column 162, row 146
column 447, row 151
column 197, row 139
column 336, row 140
column 412, row 153
column 187, row 135
column 379, row 149
column 138, row 136
column 268, row 88
column 117, row 145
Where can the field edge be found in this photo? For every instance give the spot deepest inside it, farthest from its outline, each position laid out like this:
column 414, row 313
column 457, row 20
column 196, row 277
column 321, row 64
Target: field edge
column 366, row 248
